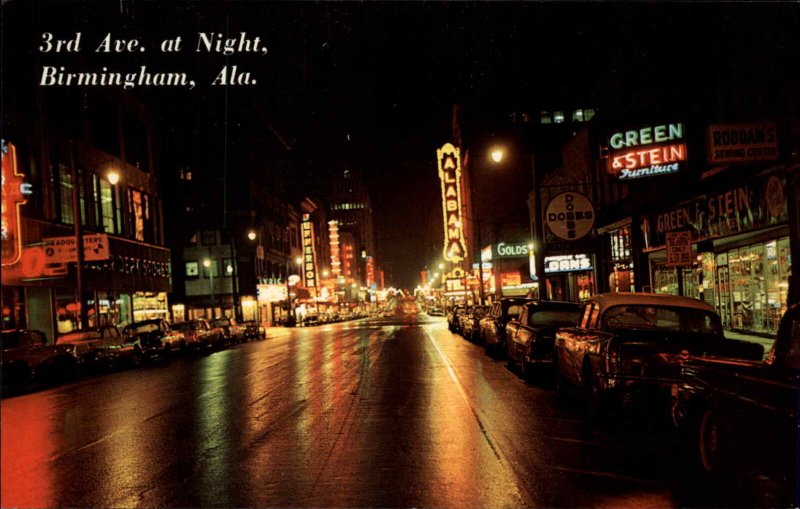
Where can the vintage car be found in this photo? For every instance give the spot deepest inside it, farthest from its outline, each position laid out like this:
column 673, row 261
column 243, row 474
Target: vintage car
column 453, row 316
column 626, row 350
column 156, row 334
column 743, row 415
column 27, row 358
column 492, row 327
column 470, row 322
column 233, row 332
column 253, row 330
column 200, row 334
column 530, row 338
column 100, row 347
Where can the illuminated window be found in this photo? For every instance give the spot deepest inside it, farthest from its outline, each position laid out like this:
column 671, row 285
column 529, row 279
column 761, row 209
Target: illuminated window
column 577, row 116
column 546, row 118
column 558, row 117
column 228, row 265
column 107, row 206
column 588, row 114
column 136, row 209
column 192, row 269
column 65, row 193
column 212, row 270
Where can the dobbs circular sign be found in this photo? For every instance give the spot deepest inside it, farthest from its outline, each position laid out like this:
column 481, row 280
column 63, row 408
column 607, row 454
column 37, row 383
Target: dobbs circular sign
column 570, row 215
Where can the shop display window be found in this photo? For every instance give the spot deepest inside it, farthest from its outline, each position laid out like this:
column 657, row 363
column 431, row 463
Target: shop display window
column 759, row 283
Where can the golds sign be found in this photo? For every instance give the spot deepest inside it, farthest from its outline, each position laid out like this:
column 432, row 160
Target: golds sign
column 449, row 161
column 309, row 258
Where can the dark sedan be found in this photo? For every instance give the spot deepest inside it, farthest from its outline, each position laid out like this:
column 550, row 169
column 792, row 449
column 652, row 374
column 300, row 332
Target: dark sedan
column 743, row 415
column 155, row 336
column 492, row 327
column 28, row 358
column 530, row 338
column 626, row 350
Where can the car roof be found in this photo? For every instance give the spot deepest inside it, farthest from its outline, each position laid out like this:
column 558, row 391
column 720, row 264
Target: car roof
column 606, row 300
column 553, row 303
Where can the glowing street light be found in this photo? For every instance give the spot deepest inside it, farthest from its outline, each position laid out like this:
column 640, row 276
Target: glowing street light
column 251, row 235
column 298, row 260
column 113, row 177
column 497, row 155
column 206, row 263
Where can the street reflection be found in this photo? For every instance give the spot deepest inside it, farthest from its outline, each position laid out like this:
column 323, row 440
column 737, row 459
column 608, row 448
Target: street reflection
column 26, row 479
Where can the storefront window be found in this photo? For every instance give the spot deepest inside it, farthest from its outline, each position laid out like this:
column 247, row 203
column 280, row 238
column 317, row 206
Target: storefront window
column 149, row 305
column 759, row 282
column 67, row 316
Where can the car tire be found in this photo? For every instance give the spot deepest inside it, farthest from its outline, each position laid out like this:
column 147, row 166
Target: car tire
column 593, row 397
column 713, row 446
column 137, row 359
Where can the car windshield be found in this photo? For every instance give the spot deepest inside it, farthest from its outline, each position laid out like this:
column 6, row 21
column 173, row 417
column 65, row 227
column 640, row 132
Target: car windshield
column 661, row 318
column 186, row 326
column 554, row 317
column 79, row 336
column 141, row 328
column 514, row 310
column 222, row 322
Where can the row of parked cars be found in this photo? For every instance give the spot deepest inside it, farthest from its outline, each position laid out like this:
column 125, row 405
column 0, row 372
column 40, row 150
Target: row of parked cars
column 643, row 355
column 28, row 358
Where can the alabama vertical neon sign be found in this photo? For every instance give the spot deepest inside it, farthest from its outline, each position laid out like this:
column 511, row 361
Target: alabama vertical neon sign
column 449, row 162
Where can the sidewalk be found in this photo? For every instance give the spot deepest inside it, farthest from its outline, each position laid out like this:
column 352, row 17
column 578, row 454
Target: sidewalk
column 765, row 342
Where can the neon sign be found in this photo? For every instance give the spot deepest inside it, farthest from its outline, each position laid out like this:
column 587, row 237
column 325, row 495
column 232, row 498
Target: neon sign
column 449, row 161
column 15, row 191
column 647, row 151
column 333, row 235
column 309, row 256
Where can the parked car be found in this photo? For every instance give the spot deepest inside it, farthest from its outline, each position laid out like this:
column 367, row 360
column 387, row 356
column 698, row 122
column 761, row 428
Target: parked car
column 452, row 317
column 253, row 330
column 232, row 331
column 462, row 318
column 310, row 320
column 469, row 328
column 435, row 311
column 103, row 347
column 626, row 350
column 492, row 327
column 530, row 338
column 155, row 332
column 200, row 333
column 743, row 415
column 28, row 358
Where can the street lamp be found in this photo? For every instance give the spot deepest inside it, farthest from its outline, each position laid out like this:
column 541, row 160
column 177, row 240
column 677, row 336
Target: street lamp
column 251, row 235
column 537, row 228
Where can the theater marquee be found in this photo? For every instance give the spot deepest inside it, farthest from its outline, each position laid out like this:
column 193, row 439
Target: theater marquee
column 449, row 161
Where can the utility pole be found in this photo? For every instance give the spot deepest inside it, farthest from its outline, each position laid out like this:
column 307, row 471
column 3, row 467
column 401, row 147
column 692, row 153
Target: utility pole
column 78, row 229
column 538, row 231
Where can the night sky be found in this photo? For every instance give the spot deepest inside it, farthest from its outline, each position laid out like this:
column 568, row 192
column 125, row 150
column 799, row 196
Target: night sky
column 371, row 85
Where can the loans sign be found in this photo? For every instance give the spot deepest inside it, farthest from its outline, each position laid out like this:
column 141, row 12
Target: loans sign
column 15, row 192
column 647, row 151
column 449, row 162
column 679, row 248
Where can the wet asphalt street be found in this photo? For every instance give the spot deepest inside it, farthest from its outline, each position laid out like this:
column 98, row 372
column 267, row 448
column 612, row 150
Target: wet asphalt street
column 371, row 413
